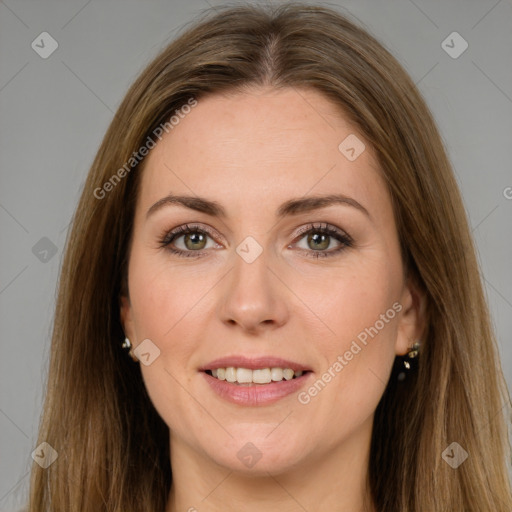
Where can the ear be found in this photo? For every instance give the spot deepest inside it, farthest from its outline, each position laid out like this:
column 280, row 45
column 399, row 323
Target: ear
column 412, row 320
column 127, row 318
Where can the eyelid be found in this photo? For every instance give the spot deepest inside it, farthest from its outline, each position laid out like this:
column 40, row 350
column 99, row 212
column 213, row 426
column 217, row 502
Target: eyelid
column 343, row 238
column 321, row 226
column 185, row 228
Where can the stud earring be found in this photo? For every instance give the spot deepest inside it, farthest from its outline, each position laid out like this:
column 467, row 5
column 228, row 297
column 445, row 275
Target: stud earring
column 127, row 346
column 409, row 360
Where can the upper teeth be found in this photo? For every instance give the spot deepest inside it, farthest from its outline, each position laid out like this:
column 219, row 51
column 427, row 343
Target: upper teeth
column 260, row 376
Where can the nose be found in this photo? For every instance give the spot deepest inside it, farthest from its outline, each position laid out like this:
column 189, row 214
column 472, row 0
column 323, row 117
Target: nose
column 252, row 296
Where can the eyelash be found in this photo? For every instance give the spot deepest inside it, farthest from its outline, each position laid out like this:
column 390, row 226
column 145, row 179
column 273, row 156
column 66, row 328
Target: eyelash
column 325, row 229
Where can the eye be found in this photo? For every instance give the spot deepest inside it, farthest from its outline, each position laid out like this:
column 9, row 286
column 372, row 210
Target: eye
column 193, row 240
column 188, row 240
column 320, row 237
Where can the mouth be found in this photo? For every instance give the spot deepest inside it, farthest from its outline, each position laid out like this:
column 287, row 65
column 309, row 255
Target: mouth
column 260, row 376
column 255, row 381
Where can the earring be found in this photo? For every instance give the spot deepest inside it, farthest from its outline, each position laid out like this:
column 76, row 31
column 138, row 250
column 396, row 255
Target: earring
column 411, row 355
column 127, row 346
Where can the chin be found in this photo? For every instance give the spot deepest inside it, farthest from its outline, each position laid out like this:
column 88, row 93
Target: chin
column 258, row 455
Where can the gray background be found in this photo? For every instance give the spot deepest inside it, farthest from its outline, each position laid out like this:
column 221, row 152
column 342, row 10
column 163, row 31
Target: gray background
column 54, row 112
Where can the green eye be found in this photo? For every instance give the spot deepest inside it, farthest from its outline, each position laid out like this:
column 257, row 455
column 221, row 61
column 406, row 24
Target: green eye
column 319, row 238
column 192, row 241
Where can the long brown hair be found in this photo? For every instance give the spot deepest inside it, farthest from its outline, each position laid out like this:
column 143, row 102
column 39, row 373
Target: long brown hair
column 113, row 446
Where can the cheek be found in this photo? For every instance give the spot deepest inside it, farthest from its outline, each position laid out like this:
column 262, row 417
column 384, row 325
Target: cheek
column 357, row 354
column 164, row 303
column 349, row 299
column 163, row 296
column 355, row 326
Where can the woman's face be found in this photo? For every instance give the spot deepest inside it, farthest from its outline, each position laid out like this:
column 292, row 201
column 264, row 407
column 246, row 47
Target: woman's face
column 258, row 283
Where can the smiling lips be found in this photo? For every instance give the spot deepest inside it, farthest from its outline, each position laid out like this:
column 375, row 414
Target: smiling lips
column 246, row 376
column 256, row 381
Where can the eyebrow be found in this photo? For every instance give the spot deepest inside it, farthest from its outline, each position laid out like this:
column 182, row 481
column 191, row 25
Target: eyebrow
column 291, row 207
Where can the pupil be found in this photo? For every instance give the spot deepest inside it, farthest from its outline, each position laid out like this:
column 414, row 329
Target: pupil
column 194, row 239
column 320, row 239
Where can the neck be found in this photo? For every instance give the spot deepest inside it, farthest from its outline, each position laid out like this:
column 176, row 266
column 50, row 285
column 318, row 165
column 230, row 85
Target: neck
column 336, row 481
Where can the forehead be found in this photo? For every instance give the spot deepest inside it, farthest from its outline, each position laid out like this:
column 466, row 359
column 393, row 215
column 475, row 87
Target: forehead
column 261, row 145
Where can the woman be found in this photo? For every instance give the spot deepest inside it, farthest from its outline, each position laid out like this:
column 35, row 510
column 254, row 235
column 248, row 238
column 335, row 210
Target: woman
column 272, row 231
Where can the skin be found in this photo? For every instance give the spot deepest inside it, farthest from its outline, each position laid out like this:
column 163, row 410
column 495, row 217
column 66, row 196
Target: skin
column 251, row 152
